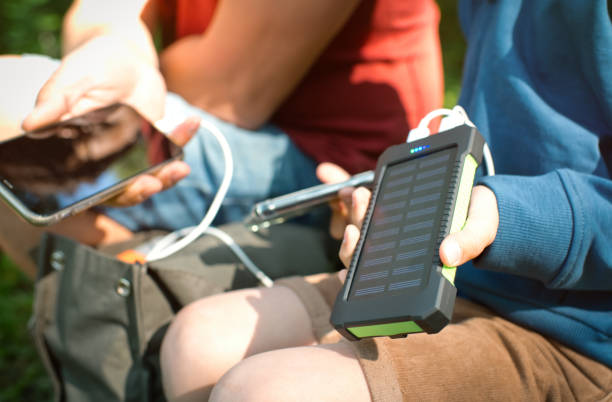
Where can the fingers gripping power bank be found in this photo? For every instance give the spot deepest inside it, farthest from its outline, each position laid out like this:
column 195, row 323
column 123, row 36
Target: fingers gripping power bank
column 396, row 283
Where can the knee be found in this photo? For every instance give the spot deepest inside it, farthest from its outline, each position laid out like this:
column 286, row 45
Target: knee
column 179, row 338
column 253, row 380
column 194, row 333
column 319, row 373
column 192, row 353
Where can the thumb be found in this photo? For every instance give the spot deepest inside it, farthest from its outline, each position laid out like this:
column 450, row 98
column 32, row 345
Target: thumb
column 184, row 131
column 349, row 243
column 478, row 232
column 47, row 112
column 54, row 105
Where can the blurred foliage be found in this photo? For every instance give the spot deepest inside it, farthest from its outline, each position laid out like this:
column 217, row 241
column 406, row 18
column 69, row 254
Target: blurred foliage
column 453, row 50
column 26, row 26
column 22, row 376
column 33, row 26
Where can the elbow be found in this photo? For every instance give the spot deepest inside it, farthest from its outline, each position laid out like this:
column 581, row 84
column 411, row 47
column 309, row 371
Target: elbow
column 250, row 117
column 230, row 95
column 242, row 111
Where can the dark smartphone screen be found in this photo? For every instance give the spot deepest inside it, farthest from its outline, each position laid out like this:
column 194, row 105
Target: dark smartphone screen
column 57, row 166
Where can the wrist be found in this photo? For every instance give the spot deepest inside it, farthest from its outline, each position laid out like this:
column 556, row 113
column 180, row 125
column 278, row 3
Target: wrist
column 149, row 92
column 535, row 226
column 87, row 20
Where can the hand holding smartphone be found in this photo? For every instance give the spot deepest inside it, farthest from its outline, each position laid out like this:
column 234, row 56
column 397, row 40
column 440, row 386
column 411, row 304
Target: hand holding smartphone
column 63, row 168
column 279, row 209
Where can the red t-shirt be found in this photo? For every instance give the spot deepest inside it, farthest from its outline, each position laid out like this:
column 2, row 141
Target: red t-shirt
column 376, row 80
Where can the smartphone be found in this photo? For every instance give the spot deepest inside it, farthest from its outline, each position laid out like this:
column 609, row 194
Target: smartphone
column 61, row 169
column 279, row 209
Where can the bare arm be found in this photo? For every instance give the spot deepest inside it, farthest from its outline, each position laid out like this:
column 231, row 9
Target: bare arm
column 87, row 19
column 252, row 55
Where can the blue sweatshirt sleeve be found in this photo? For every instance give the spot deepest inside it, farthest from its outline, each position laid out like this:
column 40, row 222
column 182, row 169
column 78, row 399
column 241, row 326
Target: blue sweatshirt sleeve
column 555, row 228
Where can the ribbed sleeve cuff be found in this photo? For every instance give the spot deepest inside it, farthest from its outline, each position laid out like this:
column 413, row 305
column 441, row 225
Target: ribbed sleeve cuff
column 535, row 226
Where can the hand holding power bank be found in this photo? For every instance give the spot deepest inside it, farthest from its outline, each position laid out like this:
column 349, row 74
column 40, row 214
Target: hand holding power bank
column 396, row 283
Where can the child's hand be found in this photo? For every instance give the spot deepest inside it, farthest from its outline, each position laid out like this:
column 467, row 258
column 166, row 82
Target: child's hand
column 346, row 209
column 478, row 232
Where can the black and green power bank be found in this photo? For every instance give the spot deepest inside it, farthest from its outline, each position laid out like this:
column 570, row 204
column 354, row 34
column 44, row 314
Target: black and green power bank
column 396, row 284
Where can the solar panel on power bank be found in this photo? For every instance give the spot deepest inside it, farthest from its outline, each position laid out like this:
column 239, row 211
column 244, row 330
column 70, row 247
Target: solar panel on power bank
column 396, row 284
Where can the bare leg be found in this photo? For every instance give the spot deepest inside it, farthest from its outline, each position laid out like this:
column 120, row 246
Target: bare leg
column 210, row 336
column 314, row 373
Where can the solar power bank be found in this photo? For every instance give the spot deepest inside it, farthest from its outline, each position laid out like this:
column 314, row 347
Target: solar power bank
column 396, row 283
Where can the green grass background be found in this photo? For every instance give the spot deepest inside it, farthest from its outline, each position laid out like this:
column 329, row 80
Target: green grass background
column 32, row 26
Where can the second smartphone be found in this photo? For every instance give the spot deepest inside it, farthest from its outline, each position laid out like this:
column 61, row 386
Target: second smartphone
column 61, row 169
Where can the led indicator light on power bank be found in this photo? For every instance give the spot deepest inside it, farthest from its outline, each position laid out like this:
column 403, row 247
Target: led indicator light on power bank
column 418, row 149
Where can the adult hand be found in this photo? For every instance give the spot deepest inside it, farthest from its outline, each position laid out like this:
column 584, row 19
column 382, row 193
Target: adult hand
column 102, row 71
column 148, row 184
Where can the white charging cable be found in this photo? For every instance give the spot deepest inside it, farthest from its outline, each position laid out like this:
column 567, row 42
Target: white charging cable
column 422, row 130
column 168, row 246
column 488, row 160
column 175, row 241
column 452, row 118
column 227, row 239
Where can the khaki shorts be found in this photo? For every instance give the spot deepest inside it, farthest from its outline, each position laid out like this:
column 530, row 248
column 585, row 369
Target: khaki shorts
column 478, row 357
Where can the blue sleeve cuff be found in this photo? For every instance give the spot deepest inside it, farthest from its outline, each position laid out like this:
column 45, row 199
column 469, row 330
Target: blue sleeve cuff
column 535, row 227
